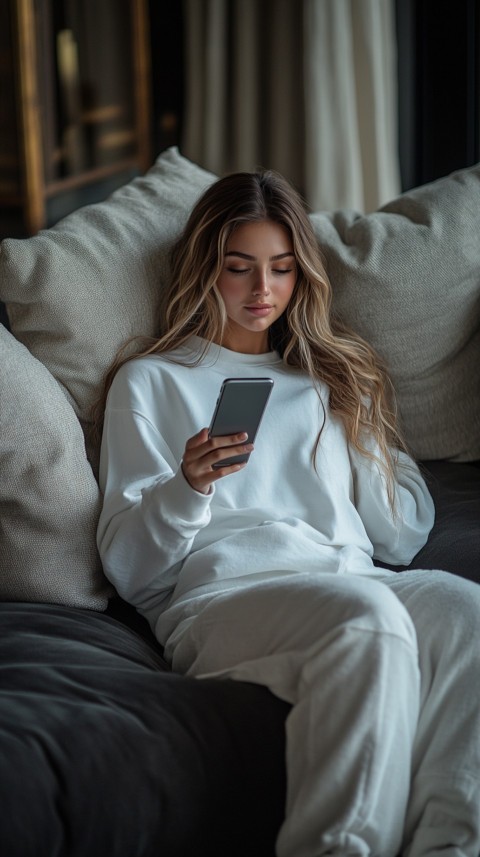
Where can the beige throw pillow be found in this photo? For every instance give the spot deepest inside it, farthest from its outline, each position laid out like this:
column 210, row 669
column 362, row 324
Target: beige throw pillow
column 49, row 499
column 406, row 277
column 77, row 291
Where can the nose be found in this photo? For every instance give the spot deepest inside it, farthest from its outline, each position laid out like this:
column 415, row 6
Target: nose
column 261, row 286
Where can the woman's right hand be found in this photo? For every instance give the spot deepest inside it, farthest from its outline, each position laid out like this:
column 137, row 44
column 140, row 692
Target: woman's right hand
column 202, row 452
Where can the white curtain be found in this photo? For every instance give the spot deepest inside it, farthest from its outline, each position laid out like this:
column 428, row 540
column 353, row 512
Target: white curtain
column 306, row 87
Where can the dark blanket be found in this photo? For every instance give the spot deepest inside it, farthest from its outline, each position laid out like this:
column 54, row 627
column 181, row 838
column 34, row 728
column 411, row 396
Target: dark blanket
column 103, row 753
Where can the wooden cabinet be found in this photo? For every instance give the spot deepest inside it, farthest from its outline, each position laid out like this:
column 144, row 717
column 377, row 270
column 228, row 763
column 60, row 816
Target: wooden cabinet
column 75, row 113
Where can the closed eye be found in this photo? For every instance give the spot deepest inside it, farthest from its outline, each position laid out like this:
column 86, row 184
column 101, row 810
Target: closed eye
column 278, row 271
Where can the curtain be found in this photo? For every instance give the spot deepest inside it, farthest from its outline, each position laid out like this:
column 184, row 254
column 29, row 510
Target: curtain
column 306, row 87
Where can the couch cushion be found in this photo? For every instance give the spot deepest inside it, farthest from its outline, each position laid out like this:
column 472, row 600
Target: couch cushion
column 49, row 499
column 406, row 277
column 77, row 291
column 454, row 542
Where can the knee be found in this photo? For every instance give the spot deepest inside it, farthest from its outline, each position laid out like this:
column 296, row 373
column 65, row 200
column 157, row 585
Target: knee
column 382, row 612
column 370, row 606
column 449, row 607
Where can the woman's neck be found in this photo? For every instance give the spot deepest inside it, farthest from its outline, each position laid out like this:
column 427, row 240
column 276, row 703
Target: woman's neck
column 246, row 342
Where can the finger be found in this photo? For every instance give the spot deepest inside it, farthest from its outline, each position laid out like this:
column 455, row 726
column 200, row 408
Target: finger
column 217, row 455
column 228, row 440
column 197, row 466
column 204, row 482
column 219, row 472
column 196, row 450
column 197, row 439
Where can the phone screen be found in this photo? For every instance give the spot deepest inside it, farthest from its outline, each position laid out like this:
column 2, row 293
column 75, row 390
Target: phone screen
column 240, row 407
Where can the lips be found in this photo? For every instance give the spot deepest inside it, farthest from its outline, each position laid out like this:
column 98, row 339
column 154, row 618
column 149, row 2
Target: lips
column 259, row 309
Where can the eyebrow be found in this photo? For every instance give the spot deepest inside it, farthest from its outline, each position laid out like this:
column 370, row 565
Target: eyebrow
column 253, row 258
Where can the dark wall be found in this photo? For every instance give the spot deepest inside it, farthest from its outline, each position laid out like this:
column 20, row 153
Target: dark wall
column 439, row 92
column 167, row 47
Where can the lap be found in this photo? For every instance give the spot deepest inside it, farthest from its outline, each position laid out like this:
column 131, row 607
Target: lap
column 290, row 613
column 287, row 614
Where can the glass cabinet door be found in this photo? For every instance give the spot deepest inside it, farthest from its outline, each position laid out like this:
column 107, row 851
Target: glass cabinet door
column 81, row 79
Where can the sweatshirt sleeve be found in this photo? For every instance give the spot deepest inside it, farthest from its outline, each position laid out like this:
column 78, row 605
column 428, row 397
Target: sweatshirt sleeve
column 396, row 536
column 150, row 514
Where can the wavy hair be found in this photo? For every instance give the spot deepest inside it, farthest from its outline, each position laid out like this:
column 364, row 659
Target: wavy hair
column 307, row 336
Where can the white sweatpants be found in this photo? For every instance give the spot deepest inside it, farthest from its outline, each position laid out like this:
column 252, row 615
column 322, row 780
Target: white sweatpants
column 383, row 739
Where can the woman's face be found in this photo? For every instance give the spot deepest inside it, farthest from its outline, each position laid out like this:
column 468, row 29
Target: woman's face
column 256, row 283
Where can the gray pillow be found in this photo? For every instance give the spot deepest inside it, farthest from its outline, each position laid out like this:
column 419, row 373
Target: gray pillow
column 406, row 277
column 49, row 499
column 75, row 292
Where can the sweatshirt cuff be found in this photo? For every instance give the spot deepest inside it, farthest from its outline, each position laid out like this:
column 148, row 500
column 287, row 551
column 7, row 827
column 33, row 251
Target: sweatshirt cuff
column 177, row 504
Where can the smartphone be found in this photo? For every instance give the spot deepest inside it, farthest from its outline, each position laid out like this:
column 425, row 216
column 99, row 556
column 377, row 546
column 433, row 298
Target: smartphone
column 240, row 407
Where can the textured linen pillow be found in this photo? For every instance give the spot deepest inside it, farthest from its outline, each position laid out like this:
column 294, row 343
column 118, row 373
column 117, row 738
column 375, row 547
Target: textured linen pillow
column 408, row 279
column 76, row 292
column 49, row 499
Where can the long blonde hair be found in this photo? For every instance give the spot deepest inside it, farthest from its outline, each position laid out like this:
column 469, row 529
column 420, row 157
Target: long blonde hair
column 307, row 335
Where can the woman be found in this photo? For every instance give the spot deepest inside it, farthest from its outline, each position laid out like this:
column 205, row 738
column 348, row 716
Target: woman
column 264, row 571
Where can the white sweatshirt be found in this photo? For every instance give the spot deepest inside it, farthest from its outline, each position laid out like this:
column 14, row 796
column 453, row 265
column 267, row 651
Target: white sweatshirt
column 162, row 543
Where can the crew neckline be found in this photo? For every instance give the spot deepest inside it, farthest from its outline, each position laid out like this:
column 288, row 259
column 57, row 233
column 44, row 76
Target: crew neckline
column 218, row 353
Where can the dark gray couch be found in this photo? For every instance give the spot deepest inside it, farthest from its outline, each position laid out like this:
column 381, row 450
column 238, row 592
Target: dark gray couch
column 103, row 752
